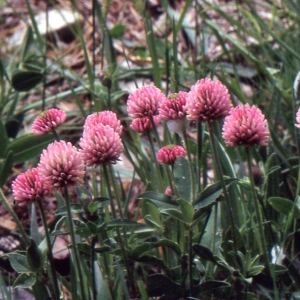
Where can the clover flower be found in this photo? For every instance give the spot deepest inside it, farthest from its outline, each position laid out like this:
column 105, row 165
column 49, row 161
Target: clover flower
column 173, row 107
column 144, row 102
column 169, row 154
column 100, row 145
column 29, row 187
column 298, row 118
column 208, row 100
column 168, row 191
column 144, row 124
column 245, row 126
column 48, row 120
column 61, row 165
column 104, row 117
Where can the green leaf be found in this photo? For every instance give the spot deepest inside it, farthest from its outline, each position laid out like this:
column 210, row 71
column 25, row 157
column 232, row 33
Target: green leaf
column 75, row 209
column 187, row 210
column 92, row 207
column 154, row 215
column 25, row 80
column 81, row 229
column 4, row 140
column 204, row 253
column 153, row 261
column 25, row 280
column 148, row 246
column 13, row 126
column 93, row 227
column 27, row 44
column 18, row 262
column 122, row 223
column 84, row 250
column 210, row 286
column 29, row 146
column 182, row 178
column 33, row 256
column 175, row 214
column 117, row 31
column 211, row 193
column 255, row 270
column 83, row 193
column 5, row 167
column 279, row 269
column 285, row 206
column 160, row 200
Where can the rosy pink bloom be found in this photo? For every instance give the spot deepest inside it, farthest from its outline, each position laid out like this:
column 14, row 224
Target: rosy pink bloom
column 168, row 155
column 245, row 126
column 144, row 124
column 208, row 100
column 168, row 191
column 173, row 107
column 29, row 187
column 61, row 165
column 48, row 121
column 106, row 118
column 298, row 118
column 100, row 145
column 144, row 102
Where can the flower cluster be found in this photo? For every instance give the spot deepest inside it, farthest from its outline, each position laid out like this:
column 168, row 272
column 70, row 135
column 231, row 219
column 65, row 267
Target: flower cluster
column 101, row 142
column 169, row 154
column 29, row 187
column 143, row 105
column 298, row 118
column 173, row 107
column 61, row 165
column 245, row 126
column 100, row 145
column 105, row 117
column 208, row 100
column 144, row 124
column 48, row 121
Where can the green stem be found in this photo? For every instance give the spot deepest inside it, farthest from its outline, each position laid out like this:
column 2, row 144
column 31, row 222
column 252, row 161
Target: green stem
column 199, row 155
column 257, row 210
column 73, row 240
column 55, row 135
column 112, row 179
column 219, row 175
column 158, row 172
column 155, row 132
column 93, row 243
column 186, row 144
column 49, row 251
column 14, row 216
column 129, row 273
column 190, row 257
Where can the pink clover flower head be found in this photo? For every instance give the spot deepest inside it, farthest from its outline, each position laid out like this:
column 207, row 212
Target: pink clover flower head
column 298, row 119
column 169, row 154
column 29, row 187
column 208, row 100
column 100, row 145
column 105, row 118
column 144, row 124
column 245, row 126
column 144, row 102
column 61, row 165
column 168, row 191
column 48, row 121
column 173, row 107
